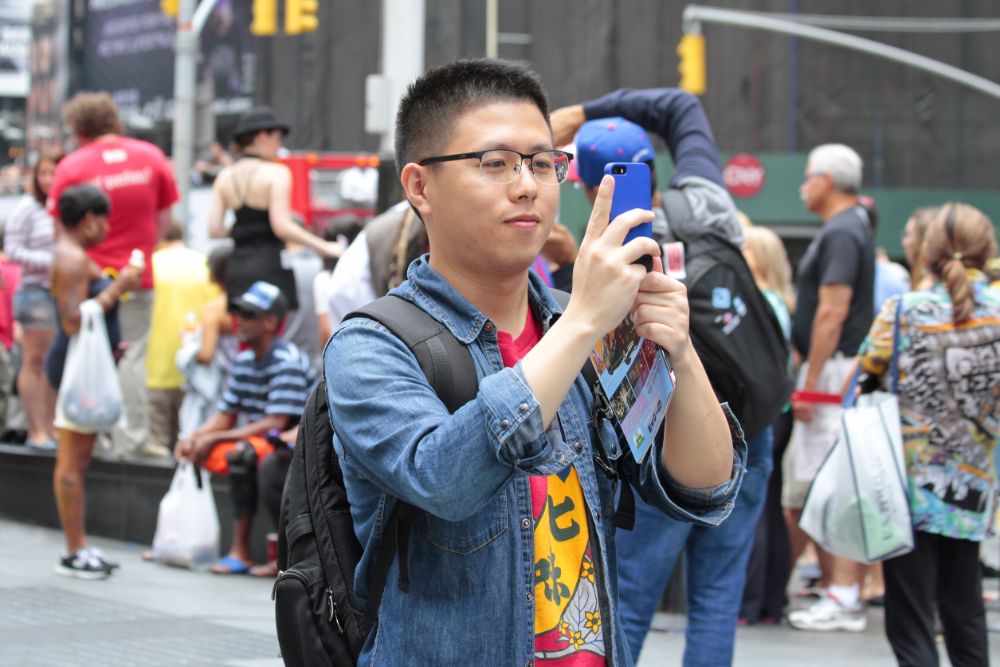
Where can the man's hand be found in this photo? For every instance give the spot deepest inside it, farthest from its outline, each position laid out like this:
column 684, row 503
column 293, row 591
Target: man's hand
column 195, row 448
column 130, row 277
column 661, row 313
column 605, row 281
column 802, row 411
column 560, row 248
column 565, row 123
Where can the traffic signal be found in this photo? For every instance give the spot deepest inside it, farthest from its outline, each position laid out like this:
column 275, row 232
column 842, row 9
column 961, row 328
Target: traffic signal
column 300, row 16
column 692, row 63
column 265, row 17
column 170, row 7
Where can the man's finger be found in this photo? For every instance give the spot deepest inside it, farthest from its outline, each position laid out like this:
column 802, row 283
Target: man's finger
column 657, row 264
column 601, row 213
column 624, row 223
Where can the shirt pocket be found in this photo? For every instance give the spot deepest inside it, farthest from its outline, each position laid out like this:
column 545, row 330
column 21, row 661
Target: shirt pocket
column 469, row 535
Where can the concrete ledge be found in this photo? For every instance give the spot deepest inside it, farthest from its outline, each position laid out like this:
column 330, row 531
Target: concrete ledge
column 123, row 497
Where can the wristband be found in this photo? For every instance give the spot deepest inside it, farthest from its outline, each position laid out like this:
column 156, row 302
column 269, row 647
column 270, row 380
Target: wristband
column 816, row 397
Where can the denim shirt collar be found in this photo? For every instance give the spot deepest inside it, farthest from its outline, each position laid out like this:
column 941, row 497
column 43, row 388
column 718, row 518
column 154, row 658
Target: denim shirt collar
column 429, row 290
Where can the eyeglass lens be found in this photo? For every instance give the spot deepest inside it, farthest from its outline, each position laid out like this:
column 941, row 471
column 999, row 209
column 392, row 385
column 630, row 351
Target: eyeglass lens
column 502, row 166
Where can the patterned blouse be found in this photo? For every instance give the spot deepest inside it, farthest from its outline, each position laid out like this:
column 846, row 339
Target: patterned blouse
column 949, row 399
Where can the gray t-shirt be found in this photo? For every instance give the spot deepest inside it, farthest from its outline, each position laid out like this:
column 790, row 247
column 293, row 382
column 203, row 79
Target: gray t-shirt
column 842, row 254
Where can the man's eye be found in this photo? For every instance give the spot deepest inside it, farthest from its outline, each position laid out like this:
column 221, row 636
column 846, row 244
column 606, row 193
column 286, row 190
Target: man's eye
column 494, row 164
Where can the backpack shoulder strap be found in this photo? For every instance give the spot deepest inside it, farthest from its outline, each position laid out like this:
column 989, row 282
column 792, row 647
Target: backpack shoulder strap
column 679, row 215
column 445, row 361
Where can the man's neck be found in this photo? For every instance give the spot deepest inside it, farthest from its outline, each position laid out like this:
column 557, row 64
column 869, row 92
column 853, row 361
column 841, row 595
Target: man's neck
column 835, row 204
column 83, row 141
column 504, row 299
column 262, row 346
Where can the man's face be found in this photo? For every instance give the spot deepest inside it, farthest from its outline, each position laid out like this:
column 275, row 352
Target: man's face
column 814, row 189
column 479, row 226
column 252, row 326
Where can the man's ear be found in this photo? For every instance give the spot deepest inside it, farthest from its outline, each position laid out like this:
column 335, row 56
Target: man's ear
column 414, row 180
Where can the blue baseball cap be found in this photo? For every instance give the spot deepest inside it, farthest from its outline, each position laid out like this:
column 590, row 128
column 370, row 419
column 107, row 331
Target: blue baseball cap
column 262, row 298
column 605, row 140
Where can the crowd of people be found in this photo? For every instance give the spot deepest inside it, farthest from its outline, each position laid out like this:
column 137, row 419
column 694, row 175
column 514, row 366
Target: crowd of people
column 217, row 356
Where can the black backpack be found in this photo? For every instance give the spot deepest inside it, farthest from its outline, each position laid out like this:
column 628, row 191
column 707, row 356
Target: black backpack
column 733, row 328
column 319, row 621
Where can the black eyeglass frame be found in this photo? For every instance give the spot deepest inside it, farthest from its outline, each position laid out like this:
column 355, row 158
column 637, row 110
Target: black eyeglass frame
column 478, row 155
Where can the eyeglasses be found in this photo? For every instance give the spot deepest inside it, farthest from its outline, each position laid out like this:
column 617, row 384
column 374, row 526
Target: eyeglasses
column 501, row 166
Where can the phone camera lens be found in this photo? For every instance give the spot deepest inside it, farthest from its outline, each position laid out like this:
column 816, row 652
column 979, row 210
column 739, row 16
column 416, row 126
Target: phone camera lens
column 618, row 170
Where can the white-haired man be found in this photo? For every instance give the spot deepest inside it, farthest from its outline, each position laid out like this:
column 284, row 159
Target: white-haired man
column 835, row 293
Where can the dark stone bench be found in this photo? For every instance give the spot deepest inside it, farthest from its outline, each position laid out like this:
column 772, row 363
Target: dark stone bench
column 123, row 497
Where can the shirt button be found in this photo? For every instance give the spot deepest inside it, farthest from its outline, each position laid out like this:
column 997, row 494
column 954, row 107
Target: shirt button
column 488, row 326
column 504, row 424
column 522, row 408
column 578, row 446
column 526, row 523
column 529, row 596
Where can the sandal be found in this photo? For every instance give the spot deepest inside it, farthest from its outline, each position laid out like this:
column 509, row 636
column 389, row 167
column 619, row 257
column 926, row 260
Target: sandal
column 230, row 565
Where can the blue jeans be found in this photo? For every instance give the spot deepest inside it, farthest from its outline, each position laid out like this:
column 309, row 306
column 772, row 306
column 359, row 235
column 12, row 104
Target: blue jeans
column 716, row 566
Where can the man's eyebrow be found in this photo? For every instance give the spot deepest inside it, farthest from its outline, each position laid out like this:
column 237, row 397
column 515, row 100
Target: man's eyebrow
column 534, row 149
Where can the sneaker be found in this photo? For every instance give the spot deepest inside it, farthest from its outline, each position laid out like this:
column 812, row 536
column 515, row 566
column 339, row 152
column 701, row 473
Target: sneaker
column 98, row 554
column 43, row 446
column 829, row 615
column 83, row 565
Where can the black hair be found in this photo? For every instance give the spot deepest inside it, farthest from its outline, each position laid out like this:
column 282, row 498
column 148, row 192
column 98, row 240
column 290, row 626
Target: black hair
column 76, row 202
column 432, row 102
column 218, row 264
column 174, row 232
column 348, row 226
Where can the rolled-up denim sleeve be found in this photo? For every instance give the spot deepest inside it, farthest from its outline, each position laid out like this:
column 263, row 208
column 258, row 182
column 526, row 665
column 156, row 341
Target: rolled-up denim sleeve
column 704, row 507
column 388, row 417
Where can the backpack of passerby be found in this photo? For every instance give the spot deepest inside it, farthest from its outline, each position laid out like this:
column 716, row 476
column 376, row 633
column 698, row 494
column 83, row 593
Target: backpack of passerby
column 319, row 620
column 735, row 331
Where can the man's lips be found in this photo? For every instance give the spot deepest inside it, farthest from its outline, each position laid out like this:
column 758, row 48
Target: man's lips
column 523, row 221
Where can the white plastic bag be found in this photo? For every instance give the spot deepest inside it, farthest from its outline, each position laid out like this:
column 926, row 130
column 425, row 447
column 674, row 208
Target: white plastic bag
column 857, row 506
column 90, row 395
column 187, row 526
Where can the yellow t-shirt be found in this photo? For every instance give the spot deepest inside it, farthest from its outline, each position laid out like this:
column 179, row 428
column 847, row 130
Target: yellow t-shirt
column 181, row 286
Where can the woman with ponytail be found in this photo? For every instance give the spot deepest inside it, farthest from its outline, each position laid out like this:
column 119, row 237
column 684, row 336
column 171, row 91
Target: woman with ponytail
column 949, row 374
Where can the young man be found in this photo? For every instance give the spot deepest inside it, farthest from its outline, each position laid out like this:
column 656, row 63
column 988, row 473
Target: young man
column 76, row 278
column 613, row 129
column 512, row 558
column 139, row 182
column 266, row 391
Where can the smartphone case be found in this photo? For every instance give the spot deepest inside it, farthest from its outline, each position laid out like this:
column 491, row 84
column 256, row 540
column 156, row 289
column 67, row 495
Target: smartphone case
column 632, row 190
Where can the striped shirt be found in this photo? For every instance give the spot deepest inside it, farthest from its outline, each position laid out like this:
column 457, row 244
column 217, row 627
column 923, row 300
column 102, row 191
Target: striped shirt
column 278, row 384
column 29, row 238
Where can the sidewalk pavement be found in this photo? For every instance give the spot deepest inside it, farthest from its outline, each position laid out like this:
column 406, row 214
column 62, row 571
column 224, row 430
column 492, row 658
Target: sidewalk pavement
column 148, row 614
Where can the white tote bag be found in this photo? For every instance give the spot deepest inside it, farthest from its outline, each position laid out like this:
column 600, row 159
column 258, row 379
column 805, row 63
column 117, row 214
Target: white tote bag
column 857, row 506
column 187, row 526
column 89, row 395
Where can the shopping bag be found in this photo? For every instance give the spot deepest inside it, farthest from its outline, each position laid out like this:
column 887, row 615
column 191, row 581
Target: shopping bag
column 90, row 395
column 857, row 505
column 187, row 525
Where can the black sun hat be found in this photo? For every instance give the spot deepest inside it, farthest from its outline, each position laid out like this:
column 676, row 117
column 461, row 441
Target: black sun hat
column 257, row 119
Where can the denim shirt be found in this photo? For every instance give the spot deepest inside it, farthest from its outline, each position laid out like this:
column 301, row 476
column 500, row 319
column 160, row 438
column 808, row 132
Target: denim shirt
column 471, row 551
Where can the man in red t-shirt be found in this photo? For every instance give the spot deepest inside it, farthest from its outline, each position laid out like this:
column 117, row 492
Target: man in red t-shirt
column 139, row 181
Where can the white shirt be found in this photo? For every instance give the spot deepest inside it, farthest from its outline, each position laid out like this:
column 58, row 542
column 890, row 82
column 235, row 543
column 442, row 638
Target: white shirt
column 350, row 286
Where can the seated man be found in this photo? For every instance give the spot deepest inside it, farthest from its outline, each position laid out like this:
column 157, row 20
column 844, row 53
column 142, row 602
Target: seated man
column 266, row 390
column 513, row 534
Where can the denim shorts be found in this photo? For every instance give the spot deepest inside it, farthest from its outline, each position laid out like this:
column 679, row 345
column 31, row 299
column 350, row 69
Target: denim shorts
column 34, row 307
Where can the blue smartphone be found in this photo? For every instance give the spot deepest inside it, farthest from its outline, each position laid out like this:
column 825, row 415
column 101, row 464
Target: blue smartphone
column 633, row 189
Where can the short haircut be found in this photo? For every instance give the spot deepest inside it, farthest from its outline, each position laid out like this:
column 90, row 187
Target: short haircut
column 92, row 115
column 218, row 264
column 431, row 104
column 174, row 232
column 76, row 202
column 841, row 163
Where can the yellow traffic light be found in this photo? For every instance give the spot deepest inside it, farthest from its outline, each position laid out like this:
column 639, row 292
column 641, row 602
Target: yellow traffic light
column 265, row 17
column 692, row 63
column 300, row 16
column 170, row 7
